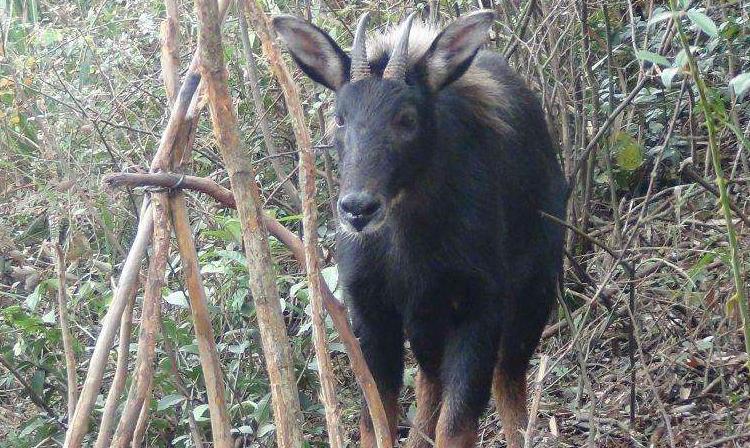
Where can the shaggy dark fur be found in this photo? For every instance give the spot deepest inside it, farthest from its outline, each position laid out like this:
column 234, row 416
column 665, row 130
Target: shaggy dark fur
column 461, row 264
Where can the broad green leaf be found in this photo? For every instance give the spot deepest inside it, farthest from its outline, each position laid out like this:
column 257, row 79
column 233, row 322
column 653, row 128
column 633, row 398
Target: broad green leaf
column 199, row 411
column 177, row 298
column 654, row 58
column 628, row 153
column 740, row 83
column 703, row 22
column 169, row 401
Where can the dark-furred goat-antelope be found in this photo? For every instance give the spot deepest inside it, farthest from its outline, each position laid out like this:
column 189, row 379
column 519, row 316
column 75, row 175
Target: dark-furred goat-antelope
column 445, row 163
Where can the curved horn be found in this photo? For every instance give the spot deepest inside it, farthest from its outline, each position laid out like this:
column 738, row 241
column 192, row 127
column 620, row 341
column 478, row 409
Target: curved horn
column 360, row 65
column 396, row 68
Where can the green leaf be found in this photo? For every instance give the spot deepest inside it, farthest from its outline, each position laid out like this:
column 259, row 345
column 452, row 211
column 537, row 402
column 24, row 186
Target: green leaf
column 169, row 401
column 199, row 411
column 740, row 83
column 177, row 298
column 654, row 58
column 628, row 153
column 703, row 22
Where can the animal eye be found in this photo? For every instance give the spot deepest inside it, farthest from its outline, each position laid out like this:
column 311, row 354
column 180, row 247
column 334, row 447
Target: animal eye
column 406, row 121
column 339, row 120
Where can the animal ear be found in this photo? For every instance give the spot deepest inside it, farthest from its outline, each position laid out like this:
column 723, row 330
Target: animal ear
column 314, row 50
column 453, row 50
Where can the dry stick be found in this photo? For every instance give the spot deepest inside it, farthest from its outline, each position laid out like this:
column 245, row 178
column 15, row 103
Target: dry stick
column 150, row 320
column 131, row 267
column 62, row 304
column 209, row 357
column 143, row 419
column 284, row 393
column 251, row 72
column 536, row 401
column 309, row 221
column 170, row 55
column 121, row 372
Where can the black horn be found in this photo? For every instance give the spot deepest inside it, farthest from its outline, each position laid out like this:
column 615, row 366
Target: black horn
column 396, row 68
column 360, row 65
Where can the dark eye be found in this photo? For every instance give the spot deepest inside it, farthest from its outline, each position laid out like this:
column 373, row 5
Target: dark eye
column 406, row 121
column 339, row 120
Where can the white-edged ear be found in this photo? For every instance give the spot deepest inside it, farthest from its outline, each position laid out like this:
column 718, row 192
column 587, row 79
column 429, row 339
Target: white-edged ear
column 314, row 50
column 453, row 50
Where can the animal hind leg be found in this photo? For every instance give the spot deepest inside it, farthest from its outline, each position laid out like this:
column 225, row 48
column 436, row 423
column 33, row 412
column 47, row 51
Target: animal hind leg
column 509, row 391
column 428, row 391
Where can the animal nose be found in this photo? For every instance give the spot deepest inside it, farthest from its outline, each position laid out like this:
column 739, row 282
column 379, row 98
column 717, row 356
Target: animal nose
column 359, row 208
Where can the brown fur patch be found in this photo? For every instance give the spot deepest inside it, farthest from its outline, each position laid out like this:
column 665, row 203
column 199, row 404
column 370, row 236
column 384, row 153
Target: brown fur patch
column 510, row 400
column 422, row 433
column 453, row 433
column 366, row 431
column 477, row 85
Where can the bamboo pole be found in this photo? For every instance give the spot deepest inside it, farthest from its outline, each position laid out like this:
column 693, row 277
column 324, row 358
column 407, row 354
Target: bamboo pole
column 128, row 282
column 284, row 394
column 209, row 357
column 121, row 373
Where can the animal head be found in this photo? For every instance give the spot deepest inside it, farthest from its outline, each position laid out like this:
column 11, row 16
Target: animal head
column 383, row 119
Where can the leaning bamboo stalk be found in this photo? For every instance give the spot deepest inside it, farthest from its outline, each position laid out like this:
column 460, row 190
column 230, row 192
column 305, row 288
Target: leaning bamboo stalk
column 170, row 56
column 67, row 340
column 121, row 373
column 209, row 357
column 142, row 425
column 150, row 322
column 309, row 221
column 735, row 254
column 284, row 394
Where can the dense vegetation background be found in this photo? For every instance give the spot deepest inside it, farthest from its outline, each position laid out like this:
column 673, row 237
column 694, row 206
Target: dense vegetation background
column 650, row 314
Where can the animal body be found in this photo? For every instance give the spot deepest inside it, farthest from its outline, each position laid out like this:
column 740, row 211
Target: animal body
column 445, row 163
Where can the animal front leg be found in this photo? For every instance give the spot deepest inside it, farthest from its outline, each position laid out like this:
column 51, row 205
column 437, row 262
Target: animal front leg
column 466, row 374
column 381, row 338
